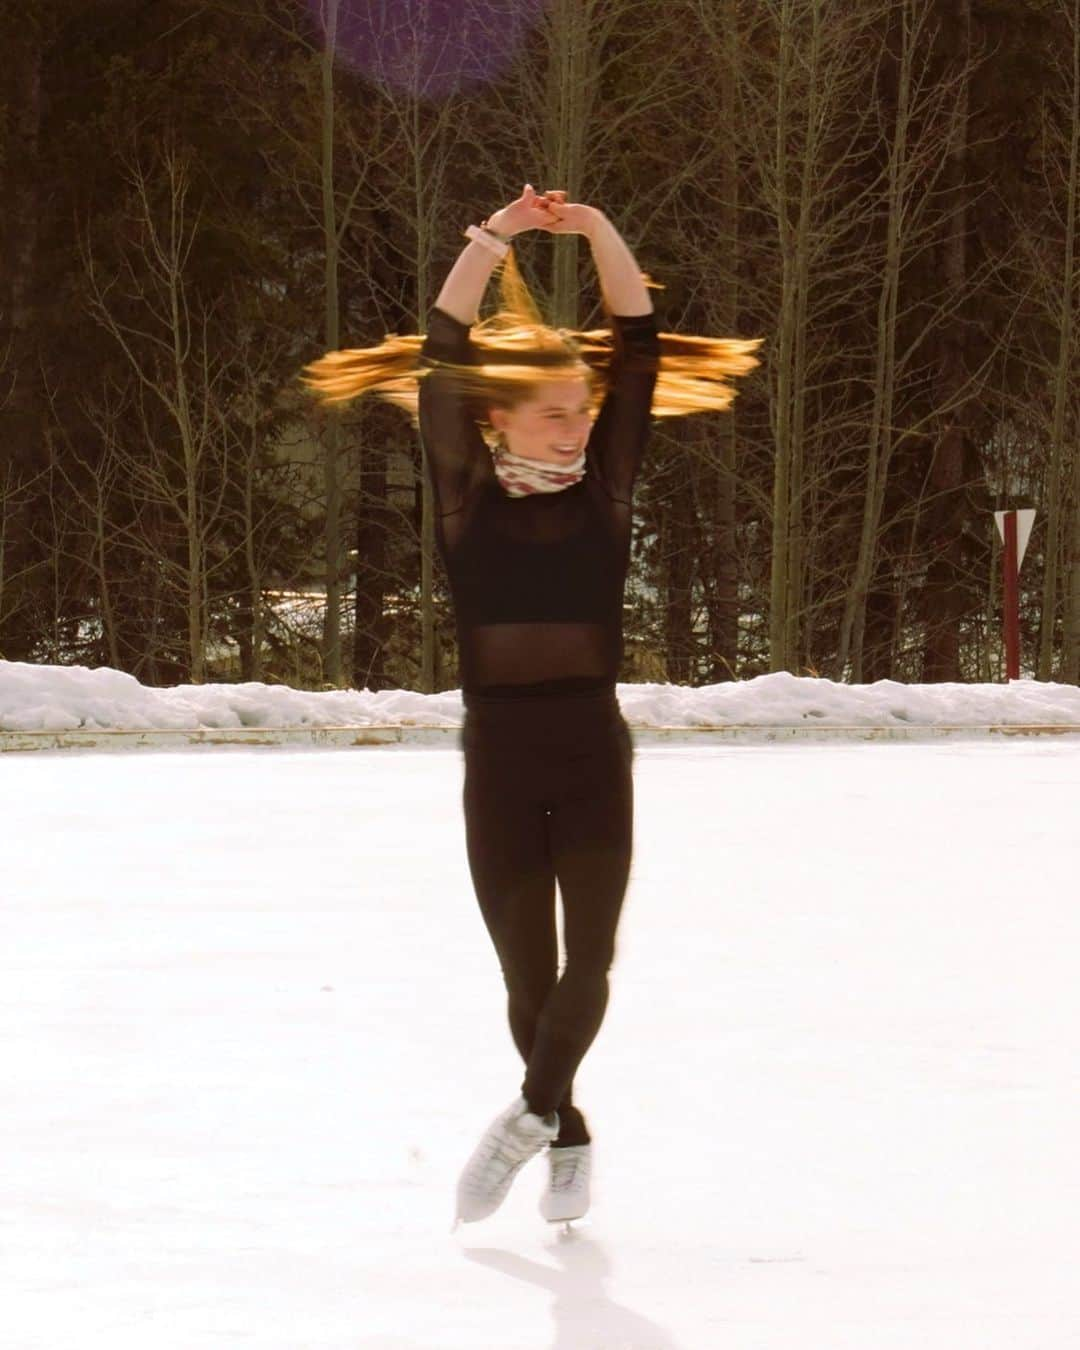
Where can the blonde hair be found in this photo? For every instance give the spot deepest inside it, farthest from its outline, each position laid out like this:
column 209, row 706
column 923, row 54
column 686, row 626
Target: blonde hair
column 514, row 346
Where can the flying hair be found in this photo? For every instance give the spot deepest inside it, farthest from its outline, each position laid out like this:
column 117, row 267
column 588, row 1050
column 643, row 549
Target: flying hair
column 515, row 350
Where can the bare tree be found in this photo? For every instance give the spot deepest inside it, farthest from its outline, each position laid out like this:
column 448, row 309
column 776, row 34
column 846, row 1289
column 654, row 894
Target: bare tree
column 163, row 329
column 266, row 501
column 716, row 253
column 90, row 491
column 1035, row 456
column 914, row 143
column 1061, row 140
column 319, row 141
column 25, row 36
column 377, row 151
column 809, row 121
column 942, row 595
column 19, row 492
column 332, row 336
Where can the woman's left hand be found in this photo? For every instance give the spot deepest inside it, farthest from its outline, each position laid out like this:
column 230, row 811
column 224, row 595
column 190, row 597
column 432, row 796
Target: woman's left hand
column 567, row 217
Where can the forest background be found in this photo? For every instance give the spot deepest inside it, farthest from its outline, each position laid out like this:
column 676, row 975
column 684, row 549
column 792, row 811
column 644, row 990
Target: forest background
column 199, row 196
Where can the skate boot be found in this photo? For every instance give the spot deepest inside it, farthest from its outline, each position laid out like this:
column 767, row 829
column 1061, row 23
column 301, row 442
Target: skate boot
column 567, row 1194
column 510, row 1141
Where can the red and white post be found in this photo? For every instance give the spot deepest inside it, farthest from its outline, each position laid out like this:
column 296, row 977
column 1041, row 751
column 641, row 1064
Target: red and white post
column 1015, row 530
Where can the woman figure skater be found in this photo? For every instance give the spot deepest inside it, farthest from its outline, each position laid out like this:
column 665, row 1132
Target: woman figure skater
column 534, row 534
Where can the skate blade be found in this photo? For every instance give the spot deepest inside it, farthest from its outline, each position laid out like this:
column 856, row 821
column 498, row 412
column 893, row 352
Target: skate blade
column 568, row 1227
column 565, row 1218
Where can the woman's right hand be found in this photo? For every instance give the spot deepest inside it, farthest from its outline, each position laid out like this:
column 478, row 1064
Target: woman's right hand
column 529, row 212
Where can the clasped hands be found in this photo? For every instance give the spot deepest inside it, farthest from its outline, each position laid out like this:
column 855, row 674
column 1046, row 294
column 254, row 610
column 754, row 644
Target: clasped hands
column 545, row 211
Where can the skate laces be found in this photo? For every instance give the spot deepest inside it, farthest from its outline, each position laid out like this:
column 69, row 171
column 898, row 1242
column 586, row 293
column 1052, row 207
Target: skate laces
column 502, row 1147
column 566, row 1172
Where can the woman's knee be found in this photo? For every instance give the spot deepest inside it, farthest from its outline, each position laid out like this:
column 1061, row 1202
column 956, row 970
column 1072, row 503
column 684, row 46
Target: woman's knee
column 529, row 989
column 589, row 973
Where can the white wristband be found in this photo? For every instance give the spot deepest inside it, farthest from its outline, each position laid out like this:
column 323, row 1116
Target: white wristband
column 488, row 240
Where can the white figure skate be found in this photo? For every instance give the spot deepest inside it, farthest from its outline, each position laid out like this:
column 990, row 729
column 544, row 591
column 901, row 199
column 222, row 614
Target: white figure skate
column 512, row 1138
column 567, row 1194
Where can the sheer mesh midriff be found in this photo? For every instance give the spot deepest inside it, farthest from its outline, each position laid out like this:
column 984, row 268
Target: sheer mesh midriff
column 537, row 585
column 507, row 658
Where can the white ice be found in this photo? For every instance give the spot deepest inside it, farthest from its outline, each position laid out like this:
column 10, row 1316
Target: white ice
column 252, row 1026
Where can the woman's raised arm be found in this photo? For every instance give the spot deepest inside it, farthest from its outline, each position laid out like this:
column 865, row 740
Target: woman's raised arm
column 620, row 277
column 454, row 448
column 464, row 288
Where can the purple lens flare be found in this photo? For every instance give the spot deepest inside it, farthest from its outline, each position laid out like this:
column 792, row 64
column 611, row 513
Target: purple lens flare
column 428, row 48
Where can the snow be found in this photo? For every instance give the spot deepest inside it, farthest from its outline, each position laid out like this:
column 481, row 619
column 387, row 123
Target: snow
column 253, row 1026
column 65, row 698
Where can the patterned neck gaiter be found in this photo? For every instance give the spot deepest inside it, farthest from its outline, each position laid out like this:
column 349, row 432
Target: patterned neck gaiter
column 520, row 476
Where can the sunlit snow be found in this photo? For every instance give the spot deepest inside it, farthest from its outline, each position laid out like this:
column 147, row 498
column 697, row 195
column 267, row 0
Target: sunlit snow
column 63, row 698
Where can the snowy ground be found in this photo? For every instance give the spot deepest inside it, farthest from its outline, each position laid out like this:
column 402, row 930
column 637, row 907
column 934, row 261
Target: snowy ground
column 252, row 1027
column 36, row 698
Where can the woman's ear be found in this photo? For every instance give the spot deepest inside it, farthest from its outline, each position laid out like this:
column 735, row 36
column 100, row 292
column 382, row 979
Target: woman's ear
column 497, row 418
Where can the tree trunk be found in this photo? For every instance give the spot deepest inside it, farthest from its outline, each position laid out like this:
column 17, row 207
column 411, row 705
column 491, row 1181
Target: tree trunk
column 943, row 596
column 880, row 621
column 428, row 634
column 1063, row 379
column 678, row 556
column 880, row 439
column 779, row 657
column 724, row 609
column 369, row 627
column 253, row 626
column 564, row 137
column 331, row 653
column 196, row 610
column 796, row 543
column 20, row 179
column 1070, row 671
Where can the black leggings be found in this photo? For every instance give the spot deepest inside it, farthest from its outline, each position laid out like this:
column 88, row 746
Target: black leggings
column 548, row 796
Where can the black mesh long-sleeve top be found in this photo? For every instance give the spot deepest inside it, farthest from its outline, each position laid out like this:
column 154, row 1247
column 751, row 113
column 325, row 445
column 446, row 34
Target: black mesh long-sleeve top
column 537, row 581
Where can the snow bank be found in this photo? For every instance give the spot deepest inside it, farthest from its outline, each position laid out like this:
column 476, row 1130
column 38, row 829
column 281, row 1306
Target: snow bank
column 65, row 698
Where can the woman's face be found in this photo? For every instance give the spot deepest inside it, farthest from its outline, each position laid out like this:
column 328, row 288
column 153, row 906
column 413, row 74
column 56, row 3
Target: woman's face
column 553, row 426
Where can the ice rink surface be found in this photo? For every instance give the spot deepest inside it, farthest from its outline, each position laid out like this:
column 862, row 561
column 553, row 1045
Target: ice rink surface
column 252, row 1026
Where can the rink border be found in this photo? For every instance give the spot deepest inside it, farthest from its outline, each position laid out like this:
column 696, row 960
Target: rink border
column 157, row 738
